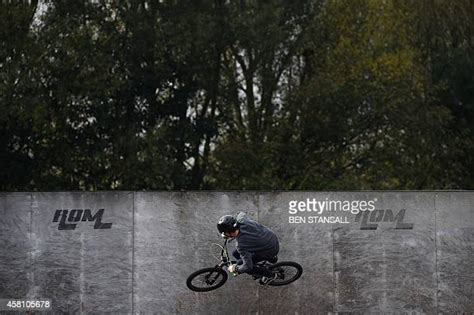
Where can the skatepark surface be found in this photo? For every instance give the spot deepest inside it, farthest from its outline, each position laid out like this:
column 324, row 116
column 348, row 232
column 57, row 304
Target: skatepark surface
column 413, row 254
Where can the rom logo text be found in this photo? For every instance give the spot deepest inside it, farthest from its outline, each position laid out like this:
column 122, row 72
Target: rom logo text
column 79, row 215
column 370, row 219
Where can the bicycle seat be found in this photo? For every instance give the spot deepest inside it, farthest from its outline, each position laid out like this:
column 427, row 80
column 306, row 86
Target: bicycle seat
column 273, row 260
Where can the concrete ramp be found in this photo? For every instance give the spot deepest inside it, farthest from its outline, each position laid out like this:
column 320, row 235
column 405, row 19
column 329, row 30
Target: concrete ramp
column 131, row 252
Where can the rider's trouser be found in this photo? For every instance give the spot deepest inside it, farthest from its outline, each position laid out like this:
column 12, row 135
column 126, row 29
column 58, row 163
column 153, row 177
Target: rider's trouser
column 255, row 270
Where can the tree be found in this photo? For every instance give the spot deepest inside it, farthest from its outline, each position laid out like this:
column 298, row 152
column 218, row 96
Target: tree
column 237, row 95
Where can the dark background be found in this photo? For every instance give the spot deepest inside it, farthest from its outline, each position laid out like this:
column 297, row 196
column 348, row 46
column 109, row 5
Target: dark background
column 134, row 95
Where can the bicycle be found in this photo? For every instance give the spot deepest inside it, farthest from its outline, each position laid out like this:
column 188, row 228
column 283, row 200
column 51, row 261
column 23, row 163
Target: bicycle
column 208, row 279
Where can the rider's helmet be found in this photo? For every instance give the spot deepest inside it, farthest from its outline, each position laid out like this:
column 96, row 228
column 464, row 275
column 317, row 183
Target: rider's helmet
column 227, row 224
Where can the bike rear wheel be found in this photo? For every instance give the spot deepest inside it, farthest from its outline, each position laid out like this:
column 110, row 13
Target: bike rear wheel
column 287, row 272
column 206, row 279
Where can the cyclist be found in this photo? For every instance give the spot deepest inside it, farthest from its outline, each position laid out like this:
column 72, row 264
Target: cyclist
column 255, row 242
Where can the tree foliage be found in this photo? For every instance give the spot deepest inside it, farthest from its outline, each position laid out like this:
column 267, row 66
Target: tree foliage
column 243, row 94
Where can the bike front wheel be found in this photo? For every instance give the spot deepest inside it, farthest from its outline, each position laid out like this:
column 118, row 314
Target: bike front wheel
column 206, row 279
column 287, row 272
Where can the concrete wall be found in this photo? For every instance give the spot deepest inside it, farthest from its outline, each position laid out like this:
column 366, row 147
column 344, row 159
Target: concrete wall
column 140, row 264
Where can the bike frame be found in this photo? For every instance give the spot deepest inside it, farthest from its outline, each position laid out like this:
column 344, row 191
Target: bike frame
column 225, row 258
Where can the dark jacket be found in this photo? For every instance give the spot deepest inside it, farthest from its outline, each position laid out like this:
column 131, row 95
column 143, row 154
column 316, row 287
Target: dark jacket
column 254, row 239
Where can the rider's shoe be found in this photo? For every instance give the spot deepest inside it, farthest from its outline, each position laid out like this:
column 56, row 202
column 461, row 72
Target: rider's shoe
column 267, row 280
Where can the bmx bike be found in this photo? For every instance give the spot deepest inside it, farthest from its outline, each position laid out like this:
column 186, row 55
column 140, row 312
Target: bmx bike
column 208, row 279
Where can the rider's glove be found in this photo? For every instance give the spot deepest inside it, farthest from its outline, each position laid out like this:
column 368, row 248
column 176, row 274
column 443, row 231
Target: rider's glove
column 232, row 268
